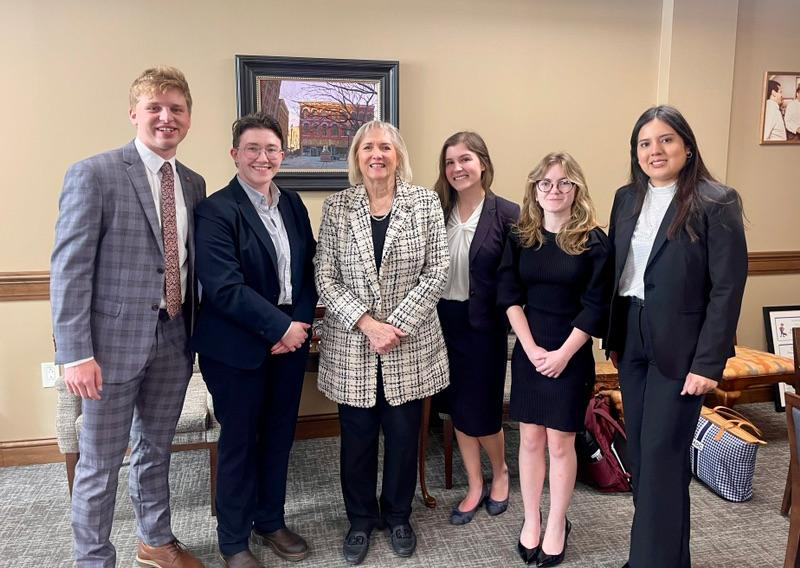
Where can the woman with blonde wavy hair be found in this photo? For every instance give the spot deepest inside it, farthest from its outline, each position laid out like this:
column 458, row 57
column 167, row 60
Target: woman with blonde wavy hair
column 554, row 285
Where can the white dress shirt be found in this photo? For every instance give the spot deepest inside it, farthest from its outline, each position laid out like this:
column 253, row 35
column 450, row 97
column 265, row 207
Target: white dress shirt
column 656, row 203
column 792, row 116
column 273, row 223
column 459, row 239
column 774, row 128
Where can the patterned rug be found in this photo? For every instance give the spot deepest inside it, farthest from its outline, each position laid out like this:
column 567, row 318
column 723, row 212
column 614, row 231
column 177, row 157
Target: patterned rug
column 35, row 531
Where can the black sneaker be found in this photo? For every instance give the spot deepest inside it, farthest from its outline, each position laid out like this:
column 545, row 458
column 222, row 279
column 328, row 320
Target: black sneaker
column 356, row 545
column 404, row 541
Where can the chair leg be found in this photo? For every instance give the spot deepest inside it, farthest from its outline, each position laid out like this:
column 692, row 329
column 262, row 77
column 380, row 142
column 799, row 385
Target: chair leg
column 447, row 442
column 793, row 542
column 212, row 468
column 427, row 498
column 71, row 460
column 787, row 494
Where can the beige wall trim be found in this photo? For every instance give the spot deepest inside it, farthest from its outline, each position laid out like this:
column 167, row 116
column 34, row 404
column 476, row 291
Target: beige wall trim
column 45, row 450
column 32, row 285
column 29, row 452
column 774, row 262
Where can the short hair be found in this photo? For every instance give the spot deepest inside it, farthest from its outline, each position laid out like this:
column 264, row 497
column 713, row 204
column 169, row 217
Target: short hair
column 403, row 166
column 475, row 144
column 573, row 237
column 772, row 86
column 159, row 80
column 255, row 120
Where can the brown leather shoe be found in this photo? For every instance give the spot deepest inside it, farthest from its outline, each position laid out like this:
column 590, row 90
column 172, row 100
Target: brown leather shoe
column 285, row 543
column 172, row 555
column 243, row 559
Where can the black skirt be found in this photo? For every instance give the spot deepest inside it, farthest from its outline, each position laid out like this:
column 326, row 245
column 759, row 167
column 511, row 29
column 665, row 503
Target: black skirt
column 557, row 403
column 477, row 359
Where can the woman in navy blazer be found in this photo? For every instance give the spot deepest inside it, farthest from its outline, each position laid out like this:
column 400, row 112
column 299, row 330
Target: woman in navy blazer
column 680, row 269
column 475, row 330
column 254, row 261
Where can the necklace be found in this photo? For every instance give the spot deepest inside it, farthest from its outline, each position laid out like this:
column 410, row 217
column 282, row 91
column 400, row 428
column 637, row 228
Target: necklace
column 378, row 218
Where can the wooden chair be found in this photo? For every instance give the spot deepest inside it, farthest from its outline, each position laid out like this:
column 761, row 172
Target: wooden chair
column 791, row 497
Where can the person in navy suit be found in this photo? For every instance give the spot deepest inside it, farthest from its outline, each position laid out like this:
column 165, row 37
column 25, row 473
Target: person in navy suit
column 254, row 262
column 475, row 329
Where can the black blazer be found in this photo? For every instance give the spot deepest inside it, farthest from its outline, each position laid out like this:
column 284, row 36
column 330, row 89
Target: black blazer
column 485, row 254
column 236, row 264
column 693, row 290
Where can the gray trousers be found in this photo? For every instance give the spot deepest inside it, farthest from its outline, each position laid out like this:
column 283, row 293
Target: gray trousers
column 143, row 411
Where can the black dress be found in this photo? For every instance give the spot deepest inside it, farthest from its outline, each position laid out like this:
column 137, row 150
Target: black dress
column 558, row 292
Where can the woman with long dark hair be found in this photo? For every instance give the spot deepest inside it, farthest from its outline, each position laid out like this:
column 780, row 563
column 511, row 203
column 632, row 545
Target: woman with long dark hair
column 680, row 269
column 475, row 330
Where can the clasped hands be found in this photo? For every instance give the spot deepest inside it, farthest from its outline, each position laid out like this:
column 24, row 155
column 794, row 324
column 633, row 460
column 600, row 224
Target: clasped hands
column 383, row 337
column 293, row 339
column 548, row 363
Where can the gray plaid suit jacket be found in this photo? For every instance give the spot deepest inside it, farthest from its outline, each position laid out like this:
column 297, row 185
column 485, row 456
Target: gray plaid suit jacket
column 106, row 275
column 412, row 277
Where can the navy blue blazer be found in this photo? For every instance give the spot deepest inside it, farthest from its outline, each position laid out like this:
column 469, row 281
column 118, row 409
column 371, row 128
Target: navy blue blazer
column 236, row 263
column 693, row 290
column 485, row 253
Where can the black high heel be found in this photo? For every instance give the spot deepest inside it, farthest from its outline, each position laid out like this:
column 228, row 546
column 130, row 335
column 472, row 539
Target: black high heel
column 555, row 559
column 530, row 555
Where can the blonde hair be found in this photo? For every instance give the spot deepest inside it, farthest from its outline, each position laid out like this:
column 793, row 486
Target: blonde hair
column 574, row 235
column 159, row 79
column 403, row 166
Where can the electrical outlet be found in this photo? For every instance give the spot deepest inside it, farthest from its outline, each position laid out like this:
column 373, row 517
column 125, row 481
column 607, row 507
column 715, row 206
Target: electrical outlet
column 49, row 375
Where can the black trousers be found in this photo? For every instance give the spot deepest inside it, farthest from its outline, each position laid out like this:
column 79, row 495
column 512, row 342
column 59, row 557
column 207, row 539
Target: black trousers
column 257, row 410
column 659, row 423
column 360, row 428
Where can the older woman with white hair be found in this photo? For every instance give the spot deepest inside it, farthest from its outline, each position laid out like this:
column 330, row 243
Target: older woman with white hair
column 380, row 268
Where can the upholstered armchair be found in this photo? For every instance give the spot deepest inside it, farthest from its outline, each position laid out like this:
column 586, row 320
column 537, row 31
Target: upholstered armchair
column 197, row 428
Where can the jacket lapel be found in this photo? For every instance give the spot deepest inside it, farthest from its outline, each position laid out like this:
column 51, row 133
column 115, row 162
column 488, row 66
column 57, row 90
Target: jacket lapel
column 362, row 235
column 661, row 235
column 397, row 219
column 290, row 224
column 189, row 191
column 138, row 177
column 623, row 233
column 484, row 223
column 251, row 217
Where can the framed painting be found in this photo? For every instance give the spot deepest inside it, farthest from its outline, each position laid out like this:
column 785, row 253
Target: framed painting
column 778, row 324
column 320, row 104
column 780, row 108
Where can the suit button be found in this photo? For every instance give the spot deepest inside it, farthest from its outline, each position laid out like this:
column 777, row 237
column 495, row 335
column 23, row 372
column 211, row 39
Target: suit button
column 472, row 292
column 160, row 270
column 154, row 307
column 649, row 286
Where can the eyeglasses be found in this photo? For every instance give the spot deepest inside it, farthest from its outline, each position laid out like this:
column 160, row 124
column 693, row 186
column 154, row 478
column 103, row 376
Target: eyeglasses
column 563, row 185
column 254, row 152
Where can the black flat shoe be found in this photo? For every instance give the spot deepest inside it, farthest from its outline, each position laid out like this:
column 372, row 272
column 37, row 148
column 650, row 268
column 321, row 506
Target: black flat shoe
column 355, row 547
column 495, row 508
column 555, row 559
column 404, row 541
column 458, row 517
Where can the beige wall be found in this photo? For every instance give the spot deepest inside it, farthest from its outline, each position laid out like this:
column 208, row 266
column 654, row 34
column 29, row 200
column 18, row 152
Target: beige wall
column 530, row 76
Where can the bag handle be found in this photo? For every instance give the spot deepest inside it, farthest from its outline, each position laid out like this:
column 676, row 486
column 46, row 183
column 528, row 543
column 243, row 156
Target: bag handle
column 729, row 413
column 609, row 418
column 743, row 424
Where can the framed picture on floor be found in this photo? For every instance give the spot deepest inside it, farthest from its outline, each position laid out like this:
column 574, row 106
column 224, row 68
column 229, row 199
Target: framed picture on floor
column 320, row 104
column 778, row 324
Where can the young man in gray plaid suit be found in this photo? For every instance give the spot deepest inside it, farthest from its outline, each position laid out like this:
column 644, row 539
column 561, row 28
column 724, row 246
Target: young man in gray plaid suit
column 123, row 298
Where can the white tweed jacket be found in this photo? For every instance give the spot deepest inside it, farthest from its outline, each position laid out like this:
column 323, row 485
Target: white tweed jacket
column 412, row 277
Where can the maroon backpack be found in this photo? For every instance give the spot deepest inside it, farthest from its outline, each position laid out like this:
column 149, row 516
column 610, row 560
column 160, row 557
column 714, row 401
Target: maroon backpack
column 605, row 469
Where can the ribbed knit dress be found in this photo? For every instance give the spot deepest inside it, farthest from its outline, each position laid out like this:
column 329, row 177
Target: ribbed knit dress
column 558, row 292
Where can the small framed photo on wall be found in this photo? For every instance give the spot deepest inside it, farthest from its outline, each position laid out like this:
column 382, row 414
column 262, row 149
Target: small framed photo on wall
column 778, row 324
column 780, row 108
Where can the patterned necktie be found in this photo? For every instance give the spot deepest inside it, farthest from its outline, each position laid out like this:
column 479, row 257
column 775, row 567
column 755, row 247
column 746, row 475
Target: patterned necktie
column 169, row 233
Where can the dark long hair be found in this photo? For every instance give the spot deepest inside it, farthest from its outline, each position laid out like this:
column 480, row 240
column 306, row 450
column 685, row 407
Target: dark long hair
column 474, row 143
column 694, row 170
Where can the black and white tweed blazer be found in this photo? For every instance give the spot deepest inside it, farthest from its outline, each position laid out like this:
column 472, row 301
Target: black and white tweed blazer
column 412, row 277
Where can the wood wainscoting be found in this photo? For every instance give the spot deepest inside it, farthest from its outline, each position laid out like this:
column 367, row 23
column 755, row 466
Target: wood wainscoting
column 35, row 284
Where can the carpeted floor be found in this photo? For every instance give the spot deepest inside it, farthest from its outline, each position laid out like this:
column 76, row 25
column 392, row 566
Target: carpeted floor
column 35, row 532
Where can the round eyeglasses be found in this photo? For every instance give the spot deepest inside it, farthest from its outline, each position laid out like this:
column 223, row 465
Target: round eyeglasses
column 253, row 152
column 562, row 185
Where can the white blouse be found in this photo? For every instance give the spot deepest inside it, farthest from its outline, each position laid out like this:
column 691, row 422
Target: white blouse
column 459, row 239
column 656, row 203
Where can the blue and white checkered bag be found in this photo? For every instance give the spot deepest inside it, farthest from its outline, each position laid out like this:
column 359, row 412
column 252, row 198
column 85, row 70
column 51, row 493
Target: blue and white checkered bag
column 723, row 452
